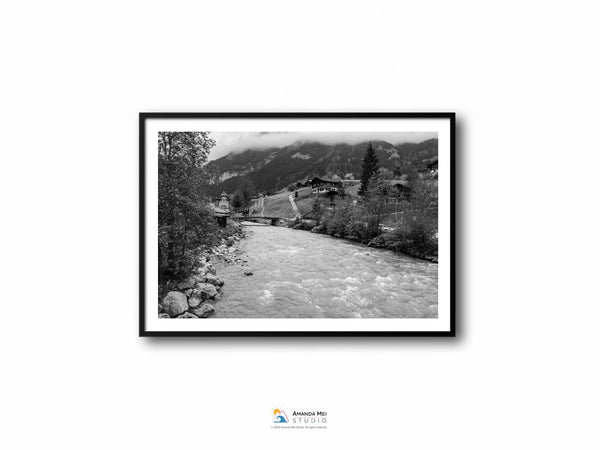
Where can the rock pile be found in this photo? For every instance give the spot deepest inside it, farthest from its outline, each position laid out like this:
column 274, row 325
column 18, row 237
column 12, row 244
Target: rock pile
column 228, row 253
column 193, row 297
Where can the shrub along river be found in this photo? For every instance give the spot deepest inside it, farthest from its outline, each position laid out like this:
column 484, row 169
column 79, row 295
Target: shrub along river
column 301, row 274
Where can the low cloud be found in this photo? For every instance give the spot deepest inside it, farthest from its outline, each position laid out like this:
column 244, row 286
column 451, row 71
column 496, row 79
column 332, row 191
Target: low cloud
column 228, row 142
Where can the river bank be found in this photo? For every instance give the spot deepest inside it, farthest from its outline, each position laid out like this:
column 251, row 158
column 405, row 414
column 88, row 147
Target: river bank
column 413, row 244
column 196, row 295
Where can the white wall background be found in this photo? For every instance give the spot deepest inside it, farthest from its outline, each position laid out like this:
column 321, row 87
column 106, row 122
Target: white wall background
column 523, row 79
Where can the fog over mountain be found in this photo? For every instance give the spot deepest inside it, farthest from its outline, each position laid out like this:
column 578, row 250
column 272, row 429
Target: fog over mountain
column 235, row 142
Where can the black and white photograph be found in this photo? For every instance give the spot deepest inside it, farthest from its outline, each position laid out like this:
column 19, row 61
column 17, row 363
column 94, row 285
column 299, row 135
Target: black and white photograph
column 309, row 225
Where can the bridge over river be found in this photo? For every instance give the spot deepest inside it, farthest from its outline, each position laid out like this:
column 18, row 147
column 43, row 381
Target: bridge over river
column 223, row 216
column 275, row 221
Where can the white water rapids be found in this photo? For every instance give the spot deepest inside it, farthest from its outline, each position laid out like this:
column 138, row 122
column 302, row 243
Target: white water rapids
column 301, row 274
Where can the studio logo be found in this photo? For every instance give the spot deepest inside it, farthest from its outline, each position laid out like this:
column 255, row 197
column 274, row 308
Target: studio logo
column 279, row 416
column 299, row 419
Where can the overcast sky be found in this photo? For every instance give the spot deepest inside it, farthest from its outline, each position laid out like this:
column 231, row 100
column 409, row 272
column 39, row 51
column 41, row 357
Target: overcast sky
column 238, row 141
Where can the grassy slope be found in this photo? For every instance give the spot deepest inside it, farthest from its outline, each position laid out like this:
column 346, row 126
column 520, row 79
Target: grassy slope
column 305, row 200
column 278, row 205
column 305, row 205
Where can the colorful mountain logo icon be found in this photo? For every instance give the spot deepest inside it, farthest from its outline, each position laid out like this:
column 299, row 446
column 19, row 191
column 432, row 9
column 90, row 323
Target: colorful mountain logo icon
column 279, row 416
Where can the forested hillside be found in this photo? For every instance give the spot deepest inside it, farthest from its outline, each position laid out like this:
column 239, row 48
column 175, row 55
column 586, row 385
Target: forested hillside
column 272, row 169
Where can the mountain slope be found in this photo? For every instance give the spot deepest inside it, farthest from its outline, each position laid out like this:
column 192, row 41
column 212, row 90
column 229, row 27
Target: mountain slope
column 274, row 168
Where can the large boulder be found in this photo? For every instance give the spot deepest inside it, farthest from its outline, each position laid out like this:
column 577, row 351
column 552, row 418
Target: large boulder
column 186, row 284
column 187, row 315
column 204, row 311
column 206, row 290
column 175, row 303
column 194, row 297
column 194, row 301
column 212, row 279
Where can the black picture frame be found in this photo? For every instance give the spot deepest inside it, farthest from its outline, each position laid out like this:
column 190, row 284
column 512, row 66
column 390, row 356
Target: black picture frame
column 144, row 116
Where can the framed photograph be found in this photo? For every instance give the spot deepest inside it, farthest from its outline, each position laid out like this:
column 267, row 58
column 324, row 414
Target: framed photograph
column 297, row 224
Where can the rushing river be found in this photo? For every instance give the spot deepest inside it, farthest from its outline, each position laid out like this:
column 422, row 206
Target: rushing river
column 301, row 274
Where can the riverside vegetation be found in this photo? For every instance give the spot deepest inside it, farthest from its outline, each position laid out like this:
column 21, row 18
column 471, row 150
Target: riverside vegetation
column 187, row 233
column 375, row 223
column 408, row 226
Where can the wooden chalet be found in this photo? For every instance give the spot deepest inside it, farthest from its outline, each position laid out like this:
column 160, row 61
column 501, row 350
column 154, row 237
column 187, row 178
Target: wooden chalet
column 398, row 191
column 322, row 185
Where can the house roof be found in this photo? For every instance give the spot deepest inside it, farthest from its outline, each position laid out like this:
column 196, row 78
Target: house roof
column 224, row 194
column 326, row 180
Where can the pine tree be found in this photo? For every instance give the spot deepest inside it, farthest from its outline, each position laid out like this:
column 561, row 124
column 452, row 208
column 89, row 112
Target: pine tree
column 237, row 200
column 247, row 190
column 369, row 168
